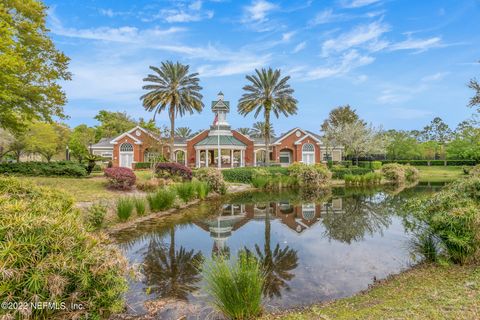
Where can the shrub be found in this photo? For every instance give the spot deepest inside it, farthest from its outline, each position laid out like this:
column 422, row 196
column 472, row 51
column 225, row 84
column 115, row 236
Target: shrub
column 172, row 170
column 149, row 185
column 475, row 171
column 213, row 178
column 120, row 178
column 125, row 208
column 308, row 176
column 96, row 215
column 260, row 181
column 371, row 178
column 245, row 174
column 235, row 287
column 59, row 168
column 140, row 206
column 339, row 172
column 452, row 215
column 47, row 253
column 161, row 200
column 186, row 191
column 411, row 173
column 142, row 165
column 394, row 172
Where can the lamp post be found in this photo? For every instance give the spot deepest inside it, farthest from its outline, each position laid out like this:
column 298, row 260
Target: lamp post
column 90, row 147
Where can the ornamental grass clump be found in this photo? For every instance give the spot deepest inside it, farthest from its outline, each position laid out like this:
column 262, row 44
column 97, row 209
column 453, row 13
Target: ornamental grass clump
column 140, row 206
column 161, row 200
column 186, row 191
column 125, row 208
column 95, row 215
column 201, row 189
column 47, row 255
column 235, row 287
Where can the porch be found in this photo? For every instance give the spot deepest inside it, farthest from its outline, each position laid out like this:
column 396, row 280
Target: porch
column 229, row 157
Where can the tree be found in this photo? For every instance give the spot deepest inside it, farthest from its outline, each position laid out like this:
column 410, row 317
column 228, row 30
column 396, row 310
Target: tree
column 174, row 88
column 401, row 145
column 43, row 138
column 466, row 142
column 183, row 132
column 18, row 146
column 80, row 139
column 30, row 64
column 245, row 131
column 113, row 123
column 475, row 100
column 259, row 130
column 267, row 93
column 439, row 132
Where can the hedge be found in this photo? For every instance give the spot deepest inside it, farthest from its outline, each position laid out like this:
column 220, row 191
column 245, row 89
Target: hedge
column 142, row 165
column 60, row 168
column 244, row 174
column 433, row 162
column 375, row 165
column 340, row 172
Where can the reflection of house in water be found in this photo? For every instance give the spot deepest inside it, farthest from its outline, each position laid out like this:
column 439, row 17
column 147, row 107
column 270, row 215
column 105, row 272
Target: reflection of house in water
column 233, row 216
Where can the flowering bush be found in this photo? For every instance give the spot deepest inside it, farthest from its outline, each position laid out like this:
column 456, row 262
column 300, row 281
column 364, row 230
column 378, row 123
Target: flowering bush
column 307, row 176
column 173, row 169
column 213, row 178
column 120, row 178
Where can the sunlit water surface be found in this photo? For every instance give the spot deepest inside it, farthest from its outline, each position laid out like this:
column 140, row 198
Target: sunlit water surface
column 316, row 249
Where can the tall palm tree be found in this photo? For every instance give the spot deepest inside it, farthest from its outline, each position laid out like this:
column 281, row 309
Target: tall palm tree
column 245, row 131
column 183, row 132
column 267, row 93
column 260, row 130
column 172, row 88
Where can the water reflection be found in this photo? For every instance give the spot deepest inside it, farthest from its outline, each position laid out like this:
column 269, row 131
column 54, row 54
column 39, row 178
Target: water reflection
column 311, row 248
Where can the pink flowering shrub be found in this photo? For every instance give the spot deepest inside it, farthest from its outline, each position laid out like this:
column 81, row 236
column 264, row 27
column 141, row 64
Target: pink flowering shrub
column 172, row 170
column 120, row 178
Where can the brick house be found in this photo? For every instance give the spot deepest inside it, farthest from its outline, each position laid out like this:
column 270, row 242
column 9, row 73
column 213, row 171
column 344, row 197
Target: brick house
column 219, row 146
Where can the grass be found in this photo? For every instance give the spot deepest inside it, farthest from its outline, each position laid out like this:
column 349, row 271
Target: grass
column 140, row 206
column 125, row 208
column 162, row 199
column 440, row 173
column 235, row 287
column 428, row 291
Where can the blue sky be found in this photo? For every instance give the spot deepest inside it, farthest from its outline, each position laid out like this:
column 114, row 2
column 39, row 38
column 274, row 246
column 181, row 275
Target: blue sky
column 398, row 62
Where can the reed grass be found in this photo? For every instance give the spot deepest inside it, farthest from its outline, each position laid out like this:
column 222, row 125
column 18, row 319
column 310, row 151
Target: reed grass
column 125, row 208
column 162, row 199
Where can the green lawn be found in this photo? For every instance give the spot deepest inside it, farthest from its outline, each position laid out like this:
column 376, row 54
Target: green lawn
column 440, row 173
column 424, row 292
column 92, row 188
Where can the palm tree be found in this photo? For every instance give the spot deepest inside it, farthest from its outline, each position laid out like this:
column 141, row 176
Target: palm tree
column 267, row 93
column 245, row 131
column 171, row 273
column 174, row 88
column 260, row 130
column 183, row 132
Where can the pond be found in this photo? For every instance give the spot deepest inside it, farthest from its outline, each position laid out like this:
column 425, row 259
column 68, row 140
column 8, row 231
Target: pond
column 315, row 249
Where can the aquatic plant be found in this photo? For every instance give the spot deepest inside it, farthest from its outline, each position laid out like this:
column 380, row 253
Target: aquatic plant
column 125, row 207
column 201, row 189
column 140, row 205
column 235, row 286
column 161, row 200
column 186, row 191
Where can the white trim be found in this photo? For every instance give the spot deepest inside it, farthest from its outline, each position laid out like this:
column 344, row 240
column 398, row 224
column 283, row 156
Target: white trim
column 243, row 135
column 214, row 146
column 114, row 141
column 287, row 134
column 308, row 135
column 197, row 135
column 144, row 130
column 106, row 148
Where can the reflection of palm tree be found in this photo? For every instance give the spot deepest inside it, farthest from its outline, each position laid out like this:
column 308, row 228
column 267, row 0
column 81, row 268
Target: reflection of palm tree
column 170, row 273
column 277, row 265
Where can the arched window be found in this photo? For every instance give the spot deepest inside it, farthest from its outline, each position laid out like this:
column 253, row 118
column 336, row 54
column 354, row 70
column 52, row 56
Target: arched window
column 126, row 147
column 308, row 153
column 308, row 211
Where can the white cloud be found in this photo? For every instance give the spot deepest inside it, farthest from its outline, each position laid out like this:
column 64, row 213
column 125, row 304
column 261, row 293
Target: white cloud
column 367, row 35
column 259, row 9
column 420, row 45
column 348, row 61
column 287, row 36
column 358, row 3
column 299, row 47
column 172, row 16
column 435, row 77
column 239, row 65
column 327, row 16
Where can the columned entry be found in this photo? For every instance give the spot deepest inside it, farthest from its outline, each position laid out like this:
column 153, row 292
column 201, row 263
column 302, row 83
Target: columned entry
column 126, row 155
column 229, row 157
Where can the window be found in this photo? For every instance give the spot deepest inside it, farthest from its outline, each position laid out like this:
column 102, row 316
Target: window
column 126, row 147
column 284, row 157
column 308, row 211
column 107, row 155
column 308, row 153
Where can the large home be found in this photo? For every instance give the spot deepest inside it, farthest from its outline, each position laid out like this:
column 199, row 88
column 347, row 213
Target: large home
column 219, row 146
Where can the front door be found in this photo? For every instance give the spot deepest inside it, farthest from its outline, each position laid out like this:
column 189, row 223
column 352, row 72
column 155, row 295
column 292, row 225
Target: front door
column 126, row 159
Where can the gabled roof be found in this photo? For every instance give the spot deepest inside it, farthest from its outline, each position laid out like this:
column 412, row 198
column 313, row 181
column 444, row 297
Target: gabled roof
column 220, row 105
column 224, row 141
column 103, row 143
column 144, row 130
column 283, row 136
column 244, row 135
column 115, row 141
column 311, row 135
